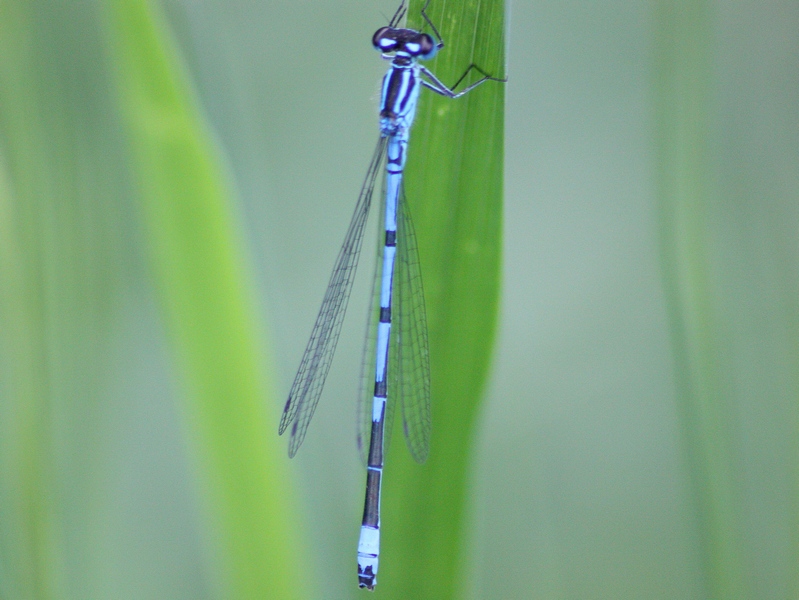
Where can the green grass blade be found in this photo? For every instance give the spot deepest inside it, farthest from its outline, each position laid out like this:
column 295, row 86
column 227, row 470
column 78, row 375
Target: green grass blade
column 52, row 305
column 683, row 71
column 454, row 188
column 207, row 304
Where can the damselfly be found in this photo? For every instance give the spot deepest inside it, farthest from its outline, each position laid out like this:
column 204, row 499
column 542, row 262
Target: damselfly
column 399, row 350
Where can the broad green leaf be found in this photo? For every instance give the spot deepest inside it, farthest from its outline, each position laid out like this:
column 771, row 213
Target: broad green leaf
column 454, row 188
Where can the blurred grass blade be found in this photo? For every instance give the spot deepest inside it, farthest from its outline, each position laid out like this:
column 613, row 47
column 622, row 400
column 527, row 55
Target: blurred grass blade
column 454, row 189
column 53, row 312
column 26, row 524
column 683, row 71
column 207, row 304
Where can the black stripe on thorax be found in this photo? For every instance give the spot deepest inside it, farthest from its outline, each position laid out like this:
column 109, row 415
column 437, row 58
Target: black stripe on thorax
column 401, row 82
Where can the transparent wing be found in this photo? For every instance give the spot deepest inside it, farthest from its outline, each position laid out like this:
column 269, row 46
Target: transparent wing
column 364, row 409
column 409, row 357
column 366, row 395
column 315, row 364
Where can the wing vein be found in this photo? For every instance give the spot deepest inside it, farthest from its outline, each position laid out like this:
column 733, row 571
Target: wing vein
column 412, row 354
column 315, row 364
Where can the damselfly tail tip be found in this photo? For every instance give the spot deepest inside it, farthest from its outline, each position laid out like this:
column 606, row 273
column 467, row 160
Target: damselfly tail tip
column 366, row 579
column 368, row 551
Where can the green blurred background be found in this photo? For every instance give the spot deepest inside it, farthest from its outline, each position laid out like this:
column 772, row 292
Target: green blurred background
column 639, row 435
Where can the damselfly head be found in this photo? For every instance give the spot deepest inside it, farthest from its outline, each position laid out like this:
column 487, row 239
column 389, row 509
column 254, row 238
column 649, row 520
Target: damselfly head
column 413, row 43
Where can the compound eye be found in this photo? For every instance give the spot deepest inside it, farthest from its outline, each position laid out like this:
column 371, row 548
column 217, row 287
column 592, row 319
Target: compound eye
column 384, row 40
column 427, row 47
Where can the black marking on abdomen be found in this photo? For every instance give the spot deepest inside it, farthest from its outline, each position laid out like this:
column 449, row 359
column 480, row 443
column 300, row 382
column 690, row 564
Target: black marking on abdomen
column 366, row 579
column 371, row 508
column 395, row 163
column 391, row 238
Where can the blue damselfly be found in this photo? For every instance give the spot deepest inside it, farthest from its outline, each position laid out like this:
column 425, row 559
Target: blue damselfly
column 397, row 358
